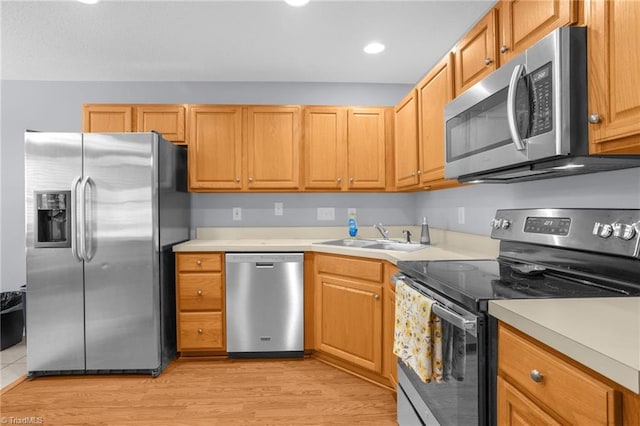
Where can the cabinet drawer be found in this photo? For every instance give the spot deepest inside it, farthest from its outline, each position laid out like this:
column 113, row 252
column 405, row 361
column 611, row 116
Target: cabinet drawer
column 350, row 267
column 200, row 292
column 196, row 262
column 201, row 331
column 565, row 389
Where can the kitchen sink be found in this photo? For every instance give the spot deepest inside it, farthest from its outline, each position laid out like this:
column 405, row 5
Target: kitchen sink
column 375, row 244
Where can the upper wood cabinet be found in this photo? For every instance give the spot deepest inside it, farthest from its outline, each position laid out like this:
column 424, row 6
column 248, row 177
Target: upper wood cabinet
column 107, row 118
column 366, row 148
column 168, row 120
column 215, row 148
column 325, row 136
column 273, row 147
column 406, row 142
column 345, row 147
column 523, row 22
column 435, row 90
column 614, row 80
column 476, row 54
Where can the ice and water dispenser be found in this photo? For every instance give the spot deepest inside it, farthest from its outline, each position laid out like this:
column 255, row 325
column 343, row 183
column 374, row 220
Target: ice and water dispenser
column 53, row 219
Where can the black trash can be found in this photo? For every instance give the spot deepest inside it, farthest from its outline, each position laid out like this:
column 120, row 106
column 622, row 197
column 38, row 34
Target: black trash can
column 11, row 318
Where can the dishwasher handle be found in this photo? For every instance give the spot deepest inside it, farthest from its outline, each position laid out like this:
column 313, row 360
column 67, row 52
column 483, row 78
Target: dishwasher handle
column 264, row 265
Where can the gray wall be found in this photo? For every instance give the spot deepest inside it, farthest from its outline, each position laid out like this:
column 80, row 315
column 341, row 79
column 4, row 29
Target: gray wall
column 56, row 106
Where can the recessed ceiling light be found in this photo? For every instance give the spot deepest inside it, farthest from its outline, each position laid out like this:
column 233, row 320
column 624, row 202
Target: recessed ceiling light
column 297, row 3
column 89, row 1
column 374, row 47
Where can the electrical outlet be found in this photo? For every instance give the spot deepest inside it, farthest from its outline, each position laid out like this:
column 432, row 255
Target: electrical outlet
column 326, row 213
column 351, row 211
column 278, row 209
column 237, row 213
column 460, row 215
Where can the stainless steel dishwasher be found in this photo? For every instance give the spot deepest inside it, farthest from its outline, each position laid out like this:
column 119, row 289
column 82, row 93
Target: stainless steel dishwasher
column 265, row 304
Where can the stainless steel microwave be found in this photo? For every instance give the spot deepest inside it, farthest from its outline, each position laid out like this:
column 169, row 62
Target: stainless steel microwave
column 528, row 119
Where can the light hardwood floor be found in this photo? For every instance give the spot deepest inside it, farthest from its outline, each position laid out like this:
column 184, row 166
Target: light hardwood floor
column 206, row 392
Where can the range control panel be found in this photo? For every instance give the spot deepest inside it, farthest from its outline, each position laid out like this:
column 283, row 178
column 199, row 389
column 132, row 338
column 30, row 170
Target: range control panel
column 615, row 231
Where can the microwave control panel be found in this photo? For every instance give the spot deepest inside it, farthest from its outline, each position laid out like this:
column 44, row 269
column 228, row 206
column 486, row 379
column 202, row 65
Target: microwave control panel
column 541, row 92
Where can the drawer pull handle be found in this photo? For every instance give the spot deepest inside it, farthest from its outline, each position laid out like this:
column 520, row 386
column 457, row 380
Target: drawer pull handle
column 199, row 292
column 536, row 376
column 198, row 262
column 200, row 331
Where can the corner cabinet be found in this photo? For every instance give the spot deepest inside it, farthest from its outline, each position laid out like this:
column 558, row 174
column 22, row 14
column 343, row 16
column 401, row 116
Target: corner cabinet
column 614, row 80
column 200, row 303
column 166, row 119
column 406, row 142
column 537, row 385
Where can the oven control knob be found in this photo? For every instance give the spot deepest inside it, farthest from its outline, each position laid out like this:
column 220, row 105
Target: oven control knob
column 505, row 224
column 496, row 223
column 603, row 230
column 624, row 231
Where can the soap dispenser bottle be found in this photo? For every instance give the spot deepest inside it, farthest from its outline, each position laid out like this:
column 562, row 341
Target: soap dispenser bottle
column 424, row 234
column 353, row 226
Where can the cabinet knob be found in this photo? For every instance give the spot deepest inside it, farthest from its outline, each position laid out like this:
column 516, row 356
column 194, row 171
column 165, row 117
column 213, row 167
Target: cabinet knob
column 488, row 61
column 200, row 331
column 594, row 118
column 198, row 262
column 419, row 172
column 376, row 296
column 199, row 292
column 413, row 174
column 250, row 179
column 339, row 180
column 536, row 376
column 237, row 180
column 504, row 48
column 351, row 180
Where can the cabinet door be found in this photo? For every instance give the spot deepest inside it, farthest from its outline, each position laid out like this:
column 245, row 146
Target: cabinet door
column 349, row 321
column 215, row 147
column 107, row 118
column 390, row 360
column 524, row 22
column 366, row 148
column 406, row 141
column 435, row 90
column 273, row 147
column 476, row 53
column 167, row 120
column 614, row 80
column 515, row 409
column 324, row 147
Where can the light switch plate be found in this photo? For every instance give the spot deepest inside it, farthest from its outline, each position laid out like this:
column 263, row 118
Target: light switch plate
column 278, row 209
column 237, row 213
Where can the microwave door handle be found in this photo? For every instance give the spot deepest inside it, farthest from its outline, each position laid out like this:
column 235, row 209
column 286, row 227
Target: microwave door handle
column 454, row 319
column 518, row 71
column 74, row 218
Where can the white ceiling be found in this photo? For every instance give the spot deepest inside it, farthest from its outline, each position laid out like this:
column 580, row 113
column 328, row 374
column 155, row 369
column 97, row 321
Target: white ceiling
column 237, row 40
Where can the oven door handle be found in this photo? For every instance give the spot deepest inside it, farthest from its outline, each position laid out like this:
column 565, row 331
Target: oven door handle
column 454, row 319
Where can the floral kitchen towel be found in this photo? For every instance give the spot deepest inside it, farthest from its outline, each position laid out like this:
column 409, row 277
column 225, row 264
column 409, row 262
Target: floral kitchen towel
column 418, row 334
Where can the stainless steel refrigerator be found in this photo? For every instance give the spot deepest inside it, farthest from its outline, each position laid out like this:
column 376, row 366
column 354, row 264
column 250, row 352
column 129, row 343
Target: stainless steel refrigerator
column 102, row 213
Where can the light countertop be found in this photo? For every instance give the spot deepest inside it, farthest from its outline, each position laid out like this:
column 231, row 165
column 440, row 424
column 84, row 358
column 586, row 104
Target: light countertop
column 446, row 245
column 600, row 333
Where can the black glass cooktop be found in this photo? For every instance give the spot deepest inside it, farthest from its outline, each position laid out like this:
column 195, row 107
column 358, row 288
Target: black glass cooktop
column 473, row 283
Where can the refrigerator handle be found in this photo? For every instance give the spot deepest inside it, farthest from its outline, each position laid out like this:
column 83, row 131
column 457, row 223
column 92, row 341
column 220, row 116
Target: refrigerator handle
column 85, row 250
column 74, row 218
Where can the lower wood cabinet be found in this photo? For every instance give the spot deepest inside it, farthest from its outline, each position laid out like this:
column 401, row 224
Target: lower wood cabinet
column 537, row 385
column 200, row 303
column 348, row 313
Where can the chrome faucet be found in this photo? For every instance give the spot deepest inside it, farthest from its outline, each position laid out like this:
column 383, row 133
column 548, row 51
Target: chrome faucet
column 407, row 235
column 382, row 230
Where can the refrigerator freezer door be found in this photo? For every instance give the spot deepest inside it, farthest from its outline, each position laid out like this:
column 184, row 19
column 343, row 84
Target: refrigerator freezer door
column 55, row 308
column 121, row 250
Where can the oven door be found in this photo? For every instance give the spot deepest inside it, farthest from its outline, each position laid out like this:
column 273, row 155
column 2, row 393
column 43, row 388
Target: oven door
column 460, row 399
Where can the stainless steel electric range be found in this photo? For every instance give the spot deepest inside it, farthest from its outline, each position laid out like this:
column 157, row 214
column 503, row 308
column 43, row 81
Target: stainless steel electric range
column 544, row 253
